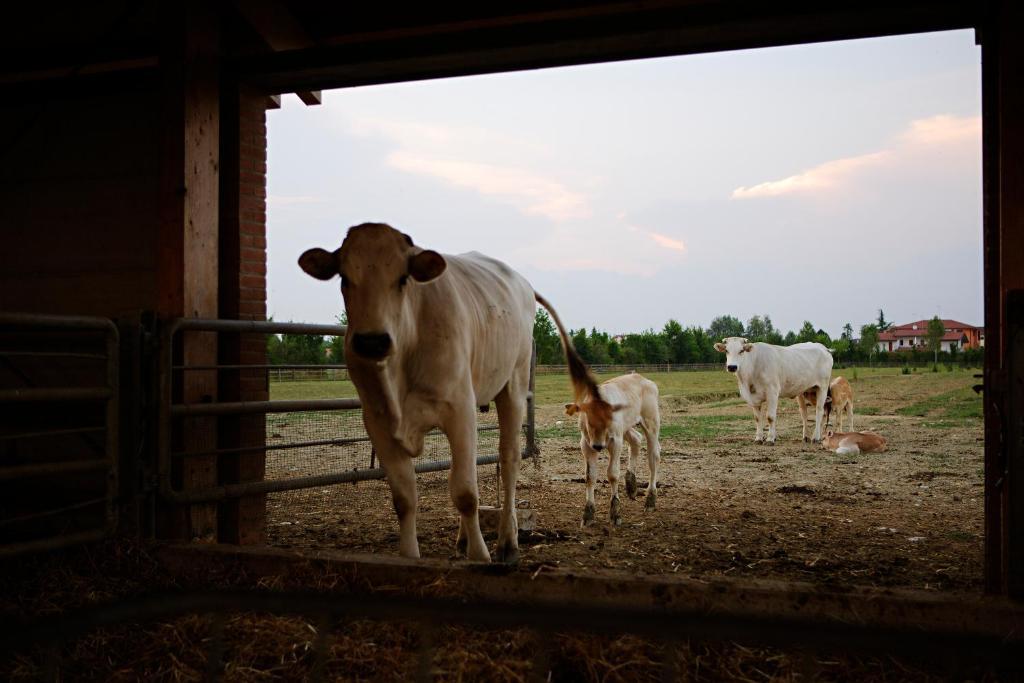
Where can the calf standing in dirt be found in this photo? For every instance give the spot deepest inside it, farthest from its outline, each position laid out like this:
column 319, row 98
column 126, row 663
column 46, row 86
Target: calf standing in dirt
column 838, row 400
column 607, row 416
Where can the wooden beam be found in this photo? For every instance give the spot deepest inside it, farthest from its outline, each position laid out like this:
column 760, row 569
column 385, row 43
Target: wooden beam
column 281, row 32
column 750, row 599
column 346, row 57
column 273, row 101
column 275, row 24
column 310, row 97
column 188, row 232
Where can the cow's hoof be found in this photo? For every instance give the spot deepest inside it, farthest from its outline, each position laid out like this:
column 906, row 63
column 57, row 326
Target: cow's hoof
column 769, row 443
column 614, row 512
column 806, row 439
column 651, row 502
column 588, row 514
column 461, row 544
column 816, row 440
column 507, row 553
column 630, row 485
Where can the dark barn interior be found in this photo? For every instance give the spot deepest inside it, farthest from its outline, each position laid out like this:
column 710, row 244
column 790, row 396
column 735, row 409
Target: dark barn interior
column 133, row 198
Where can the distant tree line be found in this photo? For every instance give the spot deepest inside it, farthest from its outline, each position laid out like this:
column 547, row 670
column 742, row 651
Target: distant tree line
column 306, row 349
column 694, row 344
column 672, row 344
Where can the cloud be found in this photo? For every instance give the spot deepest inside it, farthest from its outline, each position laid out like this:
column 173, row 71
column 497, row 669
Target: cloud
column 827, row 176
column 492, row 164
column 667, row 242
column 922, row 137
column 533, row 194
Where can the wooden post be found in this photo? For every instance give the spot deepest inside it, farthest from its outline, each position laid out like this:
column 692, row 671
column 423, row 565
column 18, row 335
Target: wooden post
column 1003, row 144
column 243, row 296
column 188, row 244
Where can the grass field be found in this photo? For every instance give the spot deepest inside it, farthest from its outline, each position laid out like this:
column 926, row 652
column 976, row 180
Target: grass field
column 945, row 395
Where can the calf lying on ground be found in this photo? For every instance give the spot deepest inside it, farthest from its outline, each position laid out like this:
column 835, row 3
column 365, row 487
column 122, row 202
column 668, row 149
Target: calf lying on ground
column 839, row 399
column 606, row 417
column 851, row 443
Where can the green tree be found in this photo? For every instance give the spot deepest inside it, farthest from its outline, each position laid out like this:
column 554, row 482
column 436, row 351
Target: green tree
column 599, row 342
column 790, row 339
column 869, row 340
column 936, row 330
column 883, row 324
column 704, row 345
column 725, row 326
column 807, row 332
column 761, row 329
column 847, row 332
column 336, row 344
column 680, row 343
column 545, row 336
column 581, row 341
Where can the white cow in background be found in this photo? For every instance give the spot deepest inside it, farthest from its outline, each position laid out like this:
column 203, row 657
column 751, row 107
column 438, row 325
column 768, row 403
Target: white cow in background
column 430, row 338
column 764, row 372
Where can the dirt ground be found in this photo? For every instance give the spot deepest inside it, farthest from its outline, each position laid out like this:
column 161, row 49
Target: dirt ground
column 911, row 516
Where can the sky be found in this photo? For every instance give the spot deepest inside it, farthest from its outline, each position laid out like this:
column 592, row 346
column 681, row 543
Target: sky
column 815, row 182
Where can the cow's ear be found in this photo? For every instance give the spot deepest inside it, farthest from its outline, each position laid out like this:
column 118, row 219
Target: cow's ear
column 829, row 434
column 748, row 347
column 426, row 265
column 571, row 408
column 618, row 406
column 320, row 263
column 720, row 347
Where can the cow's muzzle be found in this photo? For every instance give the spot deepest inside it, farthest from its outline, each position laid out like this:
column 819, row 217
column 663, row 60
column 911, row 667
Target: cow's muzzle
column 597, row 446
column 372, row 346
column 731, row 368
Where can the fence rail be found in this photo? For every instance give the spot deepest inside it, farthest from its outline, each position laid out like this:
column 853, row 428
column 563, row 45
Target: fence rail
column 28, row 337
column 169, row 411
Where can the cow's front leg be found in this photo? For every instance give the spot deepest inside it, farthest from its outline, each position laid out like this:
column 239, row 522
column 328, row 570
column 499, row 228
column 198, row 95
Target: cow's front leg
column 803, row 416
column 614, row 453
column 819, row 412
column 462, row 485
column 401, row 475
column 590, row 463
column 511, row 405
column 652, row 428
column 633, row 439
column 772, row 410
column 757, row 408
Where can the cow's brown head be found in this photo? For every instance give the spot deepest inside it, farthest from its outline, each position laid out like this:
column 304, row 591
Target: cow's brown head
column 377, row 265
column 734, row 349
column 597, row 415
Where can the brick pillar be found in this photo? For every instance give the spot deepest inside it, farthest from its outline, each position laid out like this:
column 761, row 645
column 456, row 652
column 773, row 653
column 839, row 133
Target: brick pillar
column 243, row 288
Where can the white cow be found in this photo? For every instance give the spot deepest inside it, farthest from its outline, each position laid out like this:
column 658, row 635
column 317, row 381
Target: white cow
column 430, row 338
column 607, row 418
column 764, row 372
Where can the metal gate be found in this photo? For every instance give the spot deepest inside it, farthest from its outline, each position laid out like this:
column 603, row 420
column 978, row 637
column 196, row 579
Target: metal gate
column 362, row 466
column 58, row 431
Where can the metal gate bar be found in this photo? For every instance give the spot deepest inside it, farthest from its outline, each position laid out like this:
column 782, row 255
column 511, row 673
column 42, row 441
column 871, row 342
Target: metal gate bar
column 109, row 393
column 168, row 411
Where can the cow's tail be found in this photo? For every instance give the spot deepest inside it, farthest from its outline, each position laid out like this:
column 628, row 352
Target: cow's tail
column 583, row 381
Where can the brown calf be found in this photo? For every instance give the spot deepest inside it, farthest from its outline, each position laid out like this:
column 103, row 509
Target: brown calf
column 840, row 399
column 851, row 443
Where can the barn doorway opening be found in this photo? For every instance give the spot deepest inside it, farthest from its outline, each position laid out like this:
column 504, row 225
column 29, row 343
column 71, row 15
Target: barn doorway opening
column 827, row 192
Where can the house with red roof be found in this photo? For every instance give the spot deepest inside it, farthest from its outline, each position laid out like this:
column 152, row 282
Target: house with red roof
column 958, row 336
